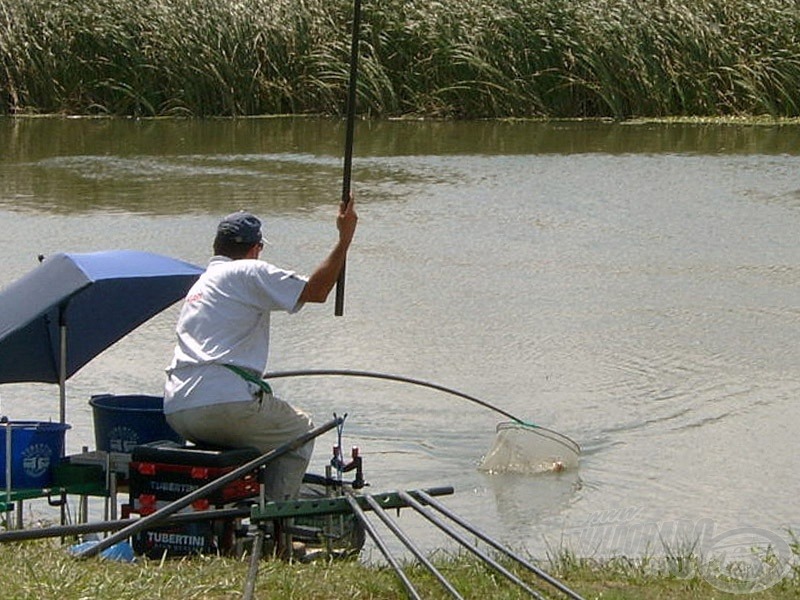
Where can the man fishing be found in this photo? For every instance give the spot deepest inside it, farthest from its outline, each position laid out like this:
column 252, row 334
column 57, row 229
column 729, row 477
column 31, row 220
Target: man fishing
column 214, row 393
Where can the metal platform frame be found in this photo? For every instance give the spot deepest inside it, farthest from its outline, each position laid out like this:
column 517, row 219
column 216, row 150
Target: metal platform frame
column 422, row 502
column 279, row 514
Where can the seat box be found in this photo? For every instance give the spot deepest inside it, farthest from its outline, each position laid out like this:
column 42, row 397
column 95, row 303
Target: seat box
column 201, row 537
column 159, row 474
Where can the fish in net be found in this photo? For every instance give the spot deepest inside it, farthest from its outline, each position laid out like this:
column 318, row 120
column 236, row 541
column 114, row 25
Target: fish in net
column 525, row 448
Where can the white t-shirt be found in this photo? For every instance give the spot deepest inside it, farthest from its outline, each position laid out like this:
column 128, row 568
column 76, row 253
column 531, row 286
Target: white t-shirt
column 225, row 320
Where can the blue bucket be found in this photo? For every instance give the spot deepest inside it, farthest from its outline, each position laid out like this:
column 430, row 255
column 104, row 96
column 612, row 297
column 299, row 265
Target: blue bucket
column 36, row 447
column 123, row 422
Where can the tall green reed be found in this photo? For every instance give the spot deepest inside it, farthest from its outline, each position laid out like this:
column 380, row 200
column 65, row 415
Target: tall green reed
column 445, row 58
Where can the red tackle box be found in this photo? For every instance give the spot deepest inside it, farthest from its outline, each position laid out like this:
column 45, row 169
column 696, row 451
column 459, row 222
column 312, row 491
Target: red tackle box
column 159, row 475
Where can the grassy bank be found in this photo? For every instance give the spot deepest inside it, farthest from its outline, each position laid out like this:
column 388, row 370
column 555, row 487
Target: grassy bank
column 41, row 571
column 453, row 58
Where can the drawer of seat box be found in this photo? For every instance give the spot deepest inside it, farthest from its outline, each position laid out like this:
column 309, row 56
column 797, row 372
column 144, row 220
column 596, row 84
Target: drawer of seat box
column 171, row 482
column 202, row 537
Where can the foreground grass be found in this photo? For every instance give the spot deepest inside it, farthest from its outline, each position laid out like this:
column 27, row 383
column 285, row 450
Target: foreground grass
column 42, row 570
column 454, row 58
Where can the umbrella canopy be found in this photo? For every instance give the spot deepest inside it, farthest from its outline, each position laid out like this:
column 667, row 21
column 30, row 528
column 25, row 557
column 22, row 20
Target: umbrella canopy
column 71, row 307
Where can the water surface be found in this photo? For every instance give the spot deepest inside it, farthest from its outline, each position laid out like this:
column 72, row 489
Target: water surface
column 633, row 286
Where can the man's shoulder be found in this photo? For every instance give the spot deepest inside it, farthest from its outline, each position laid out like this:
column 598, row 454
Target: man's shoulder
column 240, row 265
column 253, row 269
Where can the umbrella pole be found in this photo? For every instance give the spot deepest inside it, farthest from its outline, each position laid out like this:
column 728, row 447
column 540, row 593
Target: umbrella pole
column 62, row 387
column 7, row 425
column 62, row 369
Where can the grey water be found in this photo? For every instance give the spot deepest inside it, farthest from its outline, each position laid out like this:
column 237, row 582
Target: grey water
column 633, row 286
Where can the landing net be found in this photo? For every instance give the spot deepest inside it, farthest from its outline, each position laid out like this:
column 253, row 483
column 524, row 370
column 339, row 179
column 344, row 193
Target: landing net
column 522, row 448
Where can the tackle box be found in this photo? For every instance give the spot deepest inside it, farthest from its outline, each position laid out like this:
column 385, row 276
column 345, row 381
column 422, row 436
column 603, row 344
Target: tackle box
column 159, row 475
column 200, row 537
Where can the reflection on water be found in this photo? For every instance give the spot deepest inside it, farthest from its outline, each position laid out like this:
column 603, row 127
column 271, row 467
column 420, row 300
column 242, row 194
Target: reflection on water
column 34, row 139
column 65, row 165
column 633, row 286
column 524, row 502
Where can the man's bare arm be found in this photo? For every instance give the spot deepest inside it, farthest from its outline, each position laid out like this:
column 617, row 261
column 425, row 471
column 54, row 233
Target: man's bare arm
column 324, row 277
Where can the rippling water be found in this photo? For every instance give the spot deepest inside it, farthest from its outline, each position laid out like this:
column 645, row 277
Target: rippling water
column 632, row 286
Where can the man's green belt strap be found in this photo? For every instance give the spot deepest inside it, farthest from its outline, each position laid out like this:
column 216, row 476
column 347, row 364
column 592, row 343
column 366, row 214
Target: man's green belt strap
column 248, row 376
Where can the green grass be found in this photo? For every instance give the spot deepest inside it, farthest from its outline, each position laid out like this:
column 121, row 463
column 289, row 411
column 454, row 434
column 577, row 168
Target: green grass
column 451, row 58
column 43, row 570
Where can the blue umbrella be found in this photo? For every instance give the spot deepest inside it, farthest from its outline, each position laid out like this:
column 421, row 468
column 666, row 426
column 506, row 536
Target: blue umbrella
column 72, row 307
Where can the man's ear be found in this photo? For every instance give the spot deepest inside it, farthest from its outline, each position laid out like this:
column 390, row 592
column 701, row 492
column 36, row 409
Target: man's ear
column 254, row 251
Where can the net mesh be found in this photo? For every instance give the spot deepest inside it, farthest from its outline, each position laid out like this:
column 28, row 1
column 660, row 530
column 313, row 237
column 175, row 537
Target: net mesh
column 520, row 448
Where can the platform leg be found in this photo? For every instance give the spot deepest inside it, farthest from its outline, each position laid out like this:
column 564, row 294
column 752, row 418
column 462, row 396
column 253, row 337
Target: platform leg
column 108, row 499
column 283, row 539
column 252, row 571
column 112, row 494
column 83, row 509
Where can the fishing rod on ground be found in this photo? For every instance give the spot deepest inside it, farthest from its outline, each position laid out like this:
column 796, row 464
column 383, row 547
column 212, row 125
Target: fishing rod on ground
column 348, row 143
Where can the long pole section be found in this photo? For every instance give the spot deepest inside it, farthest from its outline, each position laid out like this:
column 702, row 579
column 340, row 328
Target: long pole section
column 348, row 142
column 22, row 535
column 373, row 533
column 394, row 528
column 496, row 545
column 464, row 542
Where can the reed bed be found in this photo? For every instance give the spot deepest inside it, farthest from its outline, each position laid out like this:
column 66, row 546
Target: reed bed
column 446, row 58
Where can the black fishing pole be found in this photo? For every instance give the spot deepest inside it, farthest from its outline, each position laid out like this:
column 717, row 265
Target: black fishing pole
column 22, row 535
column 400, row 378
column 394, row 528
column 381, row 544
column 348, row 141
column 466, row 544
column 549, row 433
column 430, row 501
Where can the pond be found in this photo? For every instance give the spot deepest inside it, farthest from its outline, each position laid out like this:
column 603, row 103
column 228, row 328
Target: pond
column 633, row 286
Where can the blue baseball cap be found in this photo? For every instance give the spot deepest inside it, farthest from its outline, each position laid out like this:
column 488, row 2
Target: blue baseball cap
column 240, row 227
